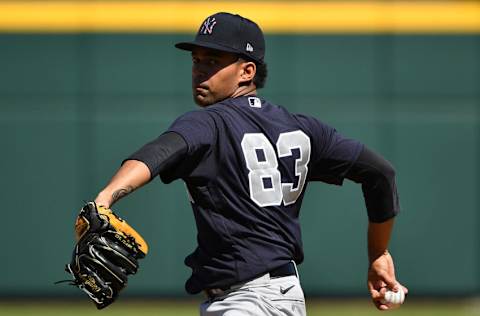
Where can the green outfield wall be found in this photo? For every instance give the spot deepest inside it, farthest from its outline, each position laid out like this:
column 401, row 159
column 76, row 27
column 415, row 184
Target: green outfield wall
column 73, row 106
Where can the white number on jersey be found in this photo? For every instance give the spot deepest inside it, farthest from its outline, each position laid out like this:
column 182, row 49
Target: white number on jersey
column 266, row 167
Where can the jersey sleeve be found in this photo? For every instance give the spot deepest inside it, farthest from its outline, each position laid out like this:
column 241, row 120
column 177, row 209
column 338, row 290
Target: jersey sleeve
column 198, row 130
column 377, row 176
column 161, row 154
column 332, row 153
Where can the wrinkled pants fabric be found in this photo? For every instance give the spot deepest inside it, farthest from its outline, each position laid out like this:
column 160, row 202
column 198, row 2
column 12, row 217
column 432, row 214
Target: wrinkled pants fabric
column 260, row 297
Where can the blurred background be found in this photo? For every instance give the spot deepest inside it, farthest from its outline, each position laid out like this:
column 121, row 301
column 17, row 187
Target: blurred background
column 83, row 84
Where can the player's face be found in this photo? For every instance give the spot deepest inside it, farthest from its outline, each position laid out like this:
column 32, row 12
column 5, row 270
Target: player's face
column 216, row 75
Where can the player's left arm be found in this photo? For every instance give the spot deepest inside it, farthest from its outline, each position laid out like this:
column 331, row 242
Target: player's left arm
column 137, row 170
column 132, row 175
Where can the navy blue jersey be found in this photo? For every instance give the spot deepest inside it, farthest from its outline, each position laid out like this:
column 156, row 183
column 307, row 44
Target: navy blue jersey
column 246, row 170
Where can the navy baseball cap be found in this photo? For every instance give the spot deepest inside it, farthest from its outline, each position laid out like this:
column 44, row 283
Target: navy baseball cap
column 229, row 33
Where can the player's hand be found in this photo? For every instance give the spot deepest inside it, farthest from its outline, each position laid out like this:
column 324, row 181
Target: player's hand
column 381, row 277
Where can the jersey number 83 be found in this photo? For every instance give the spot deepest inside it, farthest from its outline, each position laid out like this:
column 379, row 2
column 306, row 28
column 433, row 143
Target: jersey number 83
column 267, row 168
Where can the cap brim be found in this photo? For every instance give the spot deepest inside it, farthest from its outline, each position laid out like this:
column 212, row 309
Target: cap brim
column 191, row 45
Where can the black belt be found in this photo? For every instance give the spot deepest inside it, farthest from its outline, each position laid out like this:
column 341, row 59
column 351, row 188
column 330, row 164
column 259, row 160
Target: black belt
column 287, row 269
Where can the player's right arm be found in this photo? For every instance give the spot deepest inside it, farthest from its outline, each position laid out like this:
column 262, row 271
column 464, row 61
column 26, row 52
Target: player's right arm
column 149, row 161
column 377, row 177
column 381, row 271
column 336, row 158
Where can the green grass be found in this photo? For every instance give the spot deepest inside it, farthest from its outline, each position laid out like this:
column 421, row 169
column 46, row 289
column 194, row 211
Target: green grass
column 337, row 307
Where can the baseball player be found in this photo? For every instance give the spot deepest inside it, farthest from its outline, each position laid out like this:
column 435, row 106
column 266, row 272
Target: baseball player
column 246, row 164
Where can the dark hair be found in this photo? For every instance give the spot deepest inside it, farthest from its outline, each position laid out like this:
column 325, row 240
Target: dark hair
column 260, row 75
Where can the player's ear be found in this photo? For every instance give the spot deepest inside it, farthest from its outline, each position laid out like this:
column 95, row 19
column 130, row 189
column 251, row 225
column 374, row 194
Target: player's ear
column 247, row 71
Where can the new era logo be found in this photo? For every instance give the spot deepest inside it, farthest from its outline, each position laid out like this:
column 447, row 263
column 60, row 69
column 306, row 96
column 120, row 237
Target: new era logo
column 207, row 26
column 249, row 48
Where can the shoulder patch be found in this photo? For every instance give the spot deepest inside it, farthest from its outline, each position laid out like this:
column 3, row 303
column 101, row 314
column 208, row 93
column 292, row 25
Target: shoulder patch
column 254, row 102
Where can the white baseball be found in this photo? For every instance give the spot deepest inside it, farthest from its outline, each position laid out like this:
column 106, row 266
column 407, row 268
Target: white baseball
column 395, row 298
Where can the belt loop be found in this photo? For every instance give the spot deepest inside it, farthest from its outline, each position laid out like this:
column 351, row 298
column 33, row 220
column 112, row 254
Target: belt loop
column 296, row 270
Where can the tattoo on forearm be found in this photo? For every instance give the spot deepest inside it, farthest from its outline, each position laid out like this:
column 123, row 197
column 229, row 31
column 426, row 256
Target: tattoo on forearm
column 118, row 194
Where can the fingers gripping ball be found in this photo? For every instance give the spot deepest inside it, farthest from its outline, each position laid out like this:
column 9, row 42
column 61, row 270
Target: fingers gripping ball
column 107, row 251
column 394, row 299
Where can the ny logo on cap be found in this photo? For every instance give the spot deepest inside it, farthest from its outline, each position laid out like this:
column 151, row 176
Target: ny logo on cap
column 249, row 47
column 207, row 26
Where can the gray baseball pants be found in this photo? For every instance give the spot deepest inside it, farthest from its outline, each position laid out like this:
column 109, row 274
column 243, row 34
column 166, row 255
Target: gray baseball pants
column 260, row 297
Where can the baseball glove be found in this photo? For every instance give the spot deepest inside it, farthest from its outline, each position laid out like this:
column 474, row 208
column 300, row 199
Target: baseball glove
column 107, row 251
